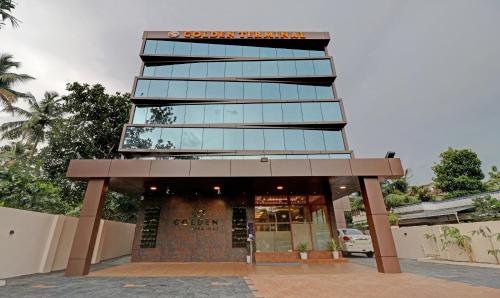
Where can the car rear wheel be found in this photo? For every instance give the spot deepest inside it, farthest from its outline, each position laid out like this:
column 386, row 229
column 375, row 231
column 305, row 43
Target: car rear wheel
column 369, row 254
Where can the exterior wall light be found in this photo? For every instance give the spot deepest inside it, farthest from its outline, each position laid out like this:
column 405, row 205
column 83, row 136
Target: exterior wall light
column 279, row 187
column 343, row 187
column 153, row 188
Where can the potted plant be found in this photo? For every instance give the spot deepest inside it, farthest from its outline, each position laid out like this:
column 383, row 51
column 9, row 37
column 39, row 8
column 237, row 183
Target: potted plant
column 334, row 247
column 302, row 248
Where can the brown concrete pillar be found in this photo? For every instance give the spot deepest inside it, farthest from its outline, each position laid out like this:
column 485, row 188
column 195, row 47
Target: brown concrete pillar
column 86, row 230
column 378, row 223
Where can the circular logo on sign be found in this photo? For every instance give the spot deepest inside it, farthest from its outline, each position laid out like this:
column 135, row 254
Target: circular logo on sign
column 173, row 34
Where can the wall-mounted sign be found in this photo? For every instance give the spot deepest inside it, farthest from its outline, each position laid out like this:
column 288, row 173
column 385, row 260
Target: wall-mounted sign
column 243, row 34
column 198, row 221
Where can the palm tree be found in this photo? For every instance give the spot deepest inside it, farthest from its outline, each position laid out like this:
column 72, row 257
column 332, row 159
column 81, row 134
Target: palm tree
column 6, row 7
column 7, row 79
column 13, row 152
column 39, row 118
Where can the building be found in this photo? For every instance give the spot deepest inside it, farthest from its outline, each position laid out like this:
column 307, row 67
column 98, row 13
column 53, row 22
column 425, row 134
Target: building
column 235, row 134
column 440, row 212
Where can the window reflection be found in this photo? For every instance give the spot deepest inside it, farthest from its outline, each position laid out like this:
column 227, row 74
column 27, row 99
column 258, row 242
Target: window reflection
column 167, row 47
column 285, row 68
column 238, row 113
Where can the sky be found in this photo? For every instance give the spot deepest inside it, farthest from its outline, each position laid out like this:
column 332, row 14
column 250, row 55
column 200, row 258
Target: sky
column 416, row 76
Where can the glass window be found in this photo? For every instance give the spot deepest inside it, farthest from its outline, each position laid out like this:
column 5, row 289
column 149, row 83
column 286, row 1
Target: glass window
column 233, row 139
column 252, row 113
column 198, row 70
column 216, row 50
column 300, row 53
column 289, row 91
column 163, row 71
column 233, row 113
column 177, row 89
column 253, row 139
column 292, row 112
column 334, row 140
column 234, row 51
column 182, row 48
column 150, row 47
column 273, row 139
column 305, row 67
column 270, row 91
column 171, row 138
column 268, row 68
column 158, row 88
column 215, row 90
column 287, row 68
column 180, row 70
column 307, row 92
column 272, row 112
column 233, row 90
column 322, row 67
column 194, row 114
column 191, row 138
column 160, row 115
column 142, row 88
column 196, row 89
column 284, row 52
column 267, row 52
column 148, row 138
column 314, row 53
column 252, row 91
column 149, row 71
column 216, row 69
column 340, row 156
column 140, row 114
column 323, row 92
column 214, row 114
column 178, row 114
column 234, row 69
column 314, row 140
column 165, row 47
column 294, row 139
column 250, row 51
column 251, row 69
column 199, row 49
column 213, row 138
column 331, row 111
column 311, row 111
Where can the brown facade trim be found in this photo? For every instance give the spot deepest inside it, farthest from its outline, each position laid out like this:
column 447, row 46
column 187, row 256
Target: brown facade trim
column 82, row 169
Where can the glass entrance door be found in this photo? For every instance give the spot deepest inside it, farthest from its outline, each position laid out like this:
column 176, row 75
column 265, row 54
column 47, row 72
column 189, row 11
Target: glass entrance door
column 283, row 222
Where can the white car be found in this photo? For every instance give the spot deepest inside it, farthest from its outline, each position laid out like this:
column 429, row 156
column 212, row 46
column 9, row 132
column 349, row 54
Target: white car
column 354, row 241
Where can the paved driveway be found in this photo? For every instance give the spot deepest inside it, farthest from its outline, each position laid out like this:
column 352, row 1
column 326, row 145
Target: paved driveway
column 356, row 278
column 478, row 276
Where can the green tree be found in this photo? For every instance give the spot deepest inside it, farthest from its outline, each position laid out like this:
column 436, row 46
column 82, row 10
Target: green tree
column 458, row 172
column 8, row 79
column 39, row 118
column 486, row 208
column 6, row 8
column 493, row 182
column 91, row 130
column 20, row 188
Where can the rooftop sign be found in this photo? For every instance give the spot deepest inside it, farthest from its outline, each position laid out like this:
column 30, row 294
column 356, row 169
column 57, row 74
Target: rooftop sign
column 238, row 34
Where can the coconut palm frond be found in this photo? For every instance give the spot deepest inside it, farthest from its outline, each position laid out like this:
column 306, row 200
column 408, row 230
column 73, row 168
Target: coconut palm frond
column 17, row 110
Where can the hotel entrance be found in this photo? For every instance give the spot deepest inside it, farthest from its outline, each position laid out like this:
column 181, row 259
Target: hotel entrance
column 284, row 222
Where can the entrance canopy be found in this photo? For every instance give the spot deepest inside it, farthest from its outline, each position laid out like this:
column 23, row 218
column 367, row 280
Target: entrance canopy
column 133, row 176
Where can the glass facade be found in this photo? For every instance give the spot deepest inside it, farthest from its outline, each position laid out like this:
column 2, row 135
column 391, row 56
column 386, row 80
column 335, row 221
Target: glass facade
column 193, row 89
column 237, row 69
column 190, row 138
column 198, row 49
column 238, row 113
